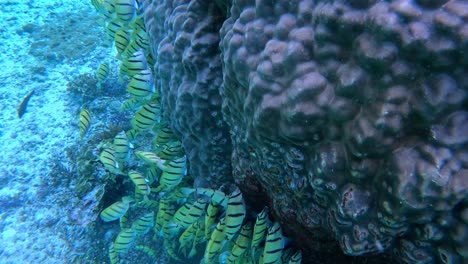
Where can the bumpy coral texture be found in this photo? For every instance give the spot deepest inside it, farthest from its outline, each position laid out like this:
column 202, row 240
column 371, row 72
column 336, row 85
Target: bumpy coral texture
column 185, row 41
column 354, row 115
column 350, row 116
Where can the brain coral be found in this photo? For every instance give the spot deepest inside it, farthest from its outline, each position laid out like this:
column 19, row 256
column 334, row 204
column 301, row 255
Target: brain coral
column 349, row 117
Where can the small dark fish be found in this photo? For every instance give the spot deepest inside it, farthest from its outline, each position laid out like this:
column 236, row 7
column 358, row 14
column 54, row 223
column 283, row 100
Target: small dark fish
column 24, row 103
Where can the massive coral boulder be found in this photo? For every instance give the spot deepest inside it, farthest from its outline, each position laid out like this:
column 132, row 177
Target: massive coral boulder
column 185, row 41
column 348, row 118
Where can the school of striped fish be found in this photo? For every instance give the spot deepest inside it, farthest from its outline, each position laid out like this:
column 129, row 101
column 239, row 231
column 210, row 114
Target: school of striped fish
column 192, row 222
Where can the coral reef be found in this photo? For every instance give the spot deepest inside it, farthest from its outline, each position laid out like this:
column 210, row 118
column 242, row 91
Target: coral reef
column 185, row 41
column 347, row 117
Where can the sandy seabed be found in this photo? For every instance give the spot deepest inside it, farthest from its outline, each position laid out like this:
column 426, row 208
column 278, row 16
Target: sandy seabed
column 42, row 48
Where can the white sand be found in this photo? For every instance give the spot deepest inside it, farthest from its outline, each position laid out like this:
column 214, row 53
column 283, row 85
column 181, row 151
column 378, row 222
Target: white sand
column 34, row 222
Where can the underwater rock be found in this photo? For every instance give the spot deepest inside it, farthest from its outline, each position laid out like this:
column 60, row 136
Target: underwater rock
column 349, row 114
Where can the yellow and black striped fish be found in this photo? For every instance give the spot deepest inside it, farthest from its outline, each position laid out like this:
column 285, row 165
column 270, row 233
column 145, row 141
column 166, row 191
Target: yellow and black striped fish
column 171, row 151
column 124, row 240
column 140, row 42
column 178, row 196
column 151, row 159
column 141, row 37
column 147, row 203
column 165, row 214
column 113, row 256
column 104, row 7
column 131, row 134
column 241, row 244
column 121, row 41
column 173, row 173
column 139, row 196
column 274, row 245
column 98, row 5
column 146, row 116
column 210, row 219
column 112, row 27
column 125, row 10
column 195, row 212
column 150, row 252
column 144, row 223
column 135, row 63
column 138, row 24
column 121, row 145
column 133, row 47
column 114, row 211
column 162, row 123
column 180, row 215
column 123, row 221
column 260, row 228
column 187, row 236
column 141, row 85
column 108, row 158
column 216, row 242
column 163, row 137
column 123, row 69
column 216, row 196
column 139, row 182
column 152, row 174
column 235, row 214
column 84, row 120
column 131, row 104
column 197, row 239
column 102, row 72
column 151, row 61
